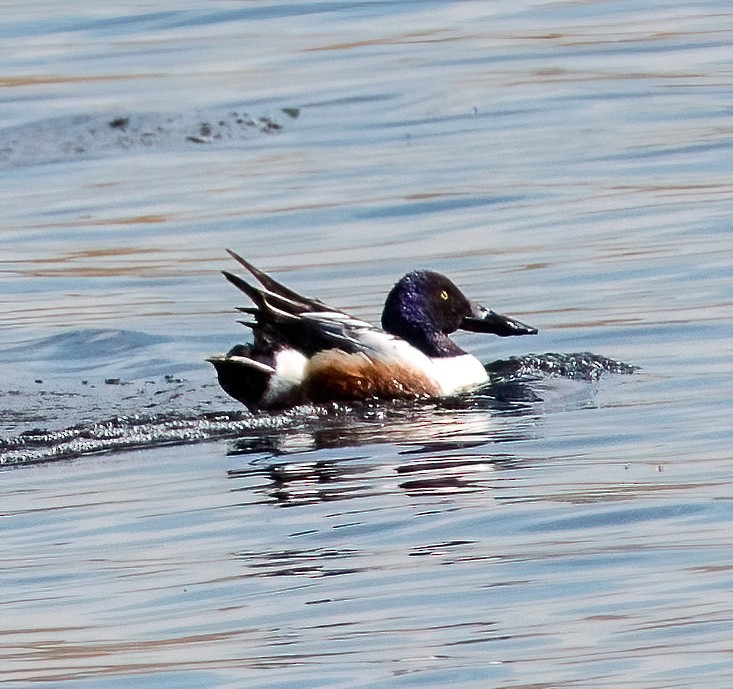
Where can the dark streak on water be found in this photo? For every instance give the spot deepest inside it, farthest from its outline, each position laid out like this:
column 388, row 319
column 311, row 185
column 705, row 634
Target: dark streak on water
column 81, row 137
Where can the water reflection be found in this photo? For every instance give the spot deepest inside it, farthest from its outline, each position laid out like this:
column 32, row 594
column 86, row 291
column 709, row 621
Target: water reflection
column 311, row 562
column 430, row 449
column 454, row 446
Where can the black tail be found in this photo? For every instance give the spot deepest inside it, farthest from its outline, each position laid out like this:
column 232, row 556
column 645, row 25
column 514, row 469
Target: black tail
column 241, row 377
column 278, row 316
column 274, row 287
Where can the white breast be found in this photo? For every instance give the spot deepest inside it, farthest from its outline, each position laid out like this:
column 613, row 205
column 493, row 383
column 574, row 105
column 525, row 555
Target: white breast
column 459, row 373
column 453, row 374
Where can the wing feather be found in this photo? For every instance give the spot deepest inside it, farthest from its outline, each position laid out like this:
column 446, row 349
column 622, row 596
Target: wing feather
column 282, row 317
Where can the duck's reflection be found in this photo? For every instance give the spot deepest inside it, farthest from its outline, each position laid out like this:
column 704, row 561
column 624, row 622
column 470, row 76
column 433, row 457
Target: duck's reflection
column 428, row 449
column 453, row 446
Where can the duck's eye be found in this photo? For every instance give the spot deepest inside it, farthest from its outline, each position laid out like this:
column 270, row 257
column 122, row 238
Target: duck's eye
column 444, row 295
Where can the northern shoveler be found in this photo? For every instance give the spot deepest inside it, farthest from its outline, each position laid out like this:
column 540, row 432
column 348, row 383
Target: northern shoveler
column 305, row 351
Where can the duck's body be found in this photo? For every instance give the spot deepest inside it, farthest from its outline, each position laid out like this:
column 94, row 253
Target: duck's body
column 304, row 351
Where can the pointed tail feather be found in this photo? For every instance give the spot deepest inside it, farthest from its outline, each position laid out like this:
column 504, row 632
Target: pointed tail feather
column 253, row 293
column 265, row 300
column 273, row 286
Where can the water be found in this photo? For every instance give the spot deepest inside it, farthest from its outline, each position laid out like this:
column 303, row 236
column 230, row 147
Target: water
column 565, row 163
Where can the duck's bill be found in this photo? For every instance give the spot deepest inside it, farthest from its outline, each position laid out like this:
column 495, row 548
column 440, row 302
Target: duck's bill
column 485, row 321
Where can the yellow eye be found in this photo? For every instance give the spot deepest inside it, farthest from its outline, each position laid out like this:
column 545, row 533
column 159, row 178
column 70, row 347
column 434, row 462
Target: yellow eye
column 444, row 295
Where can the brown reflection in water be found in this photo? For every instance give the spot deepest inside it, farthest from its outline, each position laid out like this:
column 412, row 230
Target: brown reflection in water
column 612, row 492
column 47, row 652
column 54, row 650
column 406, row 38
column 13, row 82
column 97, row 272
column 97, row 253
column 137, row 219
column 160, row 264
column 93, row 222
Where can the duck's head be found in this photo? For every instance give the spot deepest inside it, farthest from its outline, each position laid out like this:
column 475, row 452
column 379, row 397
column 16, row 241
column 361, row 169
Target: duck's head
column 425, row 307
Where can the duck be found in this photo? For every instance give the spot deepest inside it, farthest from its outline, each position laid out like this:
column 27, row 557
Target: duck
column 306, row 352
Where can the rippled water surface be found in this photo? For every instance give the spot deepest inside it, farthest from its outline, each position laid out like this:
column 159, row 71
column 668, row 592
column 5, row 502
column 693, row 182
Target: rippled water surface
column 568, row 163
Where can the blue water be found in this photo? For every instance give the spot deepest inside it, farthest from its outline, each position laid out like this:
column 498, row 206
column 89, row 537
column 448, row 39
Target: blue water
column 565, row 163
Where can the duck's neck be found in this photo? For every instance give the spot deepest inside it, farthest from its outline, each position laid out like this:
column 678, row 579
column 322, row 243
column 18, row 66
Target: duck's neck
column 433, row 343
